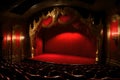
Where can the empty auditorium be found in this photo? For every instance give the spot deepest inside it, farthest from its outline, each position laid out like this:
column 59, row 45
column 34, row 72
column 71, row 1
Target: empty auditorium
column 60, row 40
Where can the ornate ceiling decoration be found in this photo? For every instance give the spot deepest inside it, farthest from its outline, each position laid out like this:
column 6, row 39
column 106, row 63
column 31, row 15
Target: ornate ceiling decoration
column 58, row 16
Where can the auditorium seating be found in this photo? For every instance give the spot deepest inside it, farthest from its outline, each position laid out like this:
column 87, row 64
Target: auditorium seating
column 37, row 70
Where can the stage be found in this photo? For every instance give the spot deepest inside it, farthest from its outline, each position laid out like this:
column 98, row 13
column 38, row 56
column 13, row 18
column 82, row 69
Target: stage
column 63, row 59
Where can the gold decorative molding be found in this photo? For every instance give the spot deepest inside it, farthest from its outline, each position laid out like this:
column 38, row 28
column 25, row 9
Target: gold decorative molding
column 32, row 32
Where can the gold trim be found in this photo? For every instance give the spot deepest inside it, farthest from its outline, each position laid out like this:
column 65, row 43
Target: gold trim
column 53, row 14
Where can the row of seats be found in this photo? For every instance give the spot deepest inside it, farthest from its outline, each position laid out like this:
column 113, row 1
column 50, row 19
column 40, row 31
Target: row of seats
column 37, row 70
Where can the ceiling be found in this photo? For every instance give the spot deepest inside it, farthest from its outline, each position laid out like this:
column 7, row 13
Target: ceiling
column 25, row 8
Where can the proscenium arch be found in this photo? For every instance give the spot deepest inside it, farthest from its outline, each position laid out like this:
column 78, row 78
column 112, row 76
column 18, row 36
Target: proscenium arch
column 35, row 27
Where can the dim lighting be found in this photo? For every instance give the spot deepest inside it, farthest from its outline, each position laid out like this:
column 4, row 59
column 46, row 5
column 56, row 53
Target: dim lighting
column 8, row 38
column 108, row 33
column 92, row 22
column 96, row 59
column 101, row 32
column 96, row 55
column 13, row 37
column 115, row 34
column 22, row 37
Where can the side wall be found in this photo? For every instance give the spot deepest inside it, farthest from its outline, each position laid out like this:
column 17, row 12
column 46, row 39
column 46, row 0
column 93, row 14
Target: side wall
column 15, row 42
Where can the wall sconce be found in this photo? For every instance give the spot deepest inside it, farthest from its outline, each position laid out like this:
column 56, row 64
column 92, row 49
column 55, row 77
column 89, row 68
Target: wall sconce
column 8, row 38
column 22, row 38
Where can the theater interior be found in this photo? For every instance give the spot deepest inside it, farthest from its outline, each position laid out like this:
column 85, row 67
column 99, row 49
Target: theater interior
column 60, row 40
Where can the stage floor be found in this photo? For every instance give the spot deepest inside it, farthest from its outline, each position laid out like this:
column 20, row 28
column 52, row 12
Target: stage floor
column 63, row 59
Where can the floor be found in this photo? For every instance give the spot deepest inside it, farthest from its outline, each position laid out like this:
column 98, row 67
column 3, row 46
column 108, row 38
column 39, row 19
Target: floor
column 63, row 59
